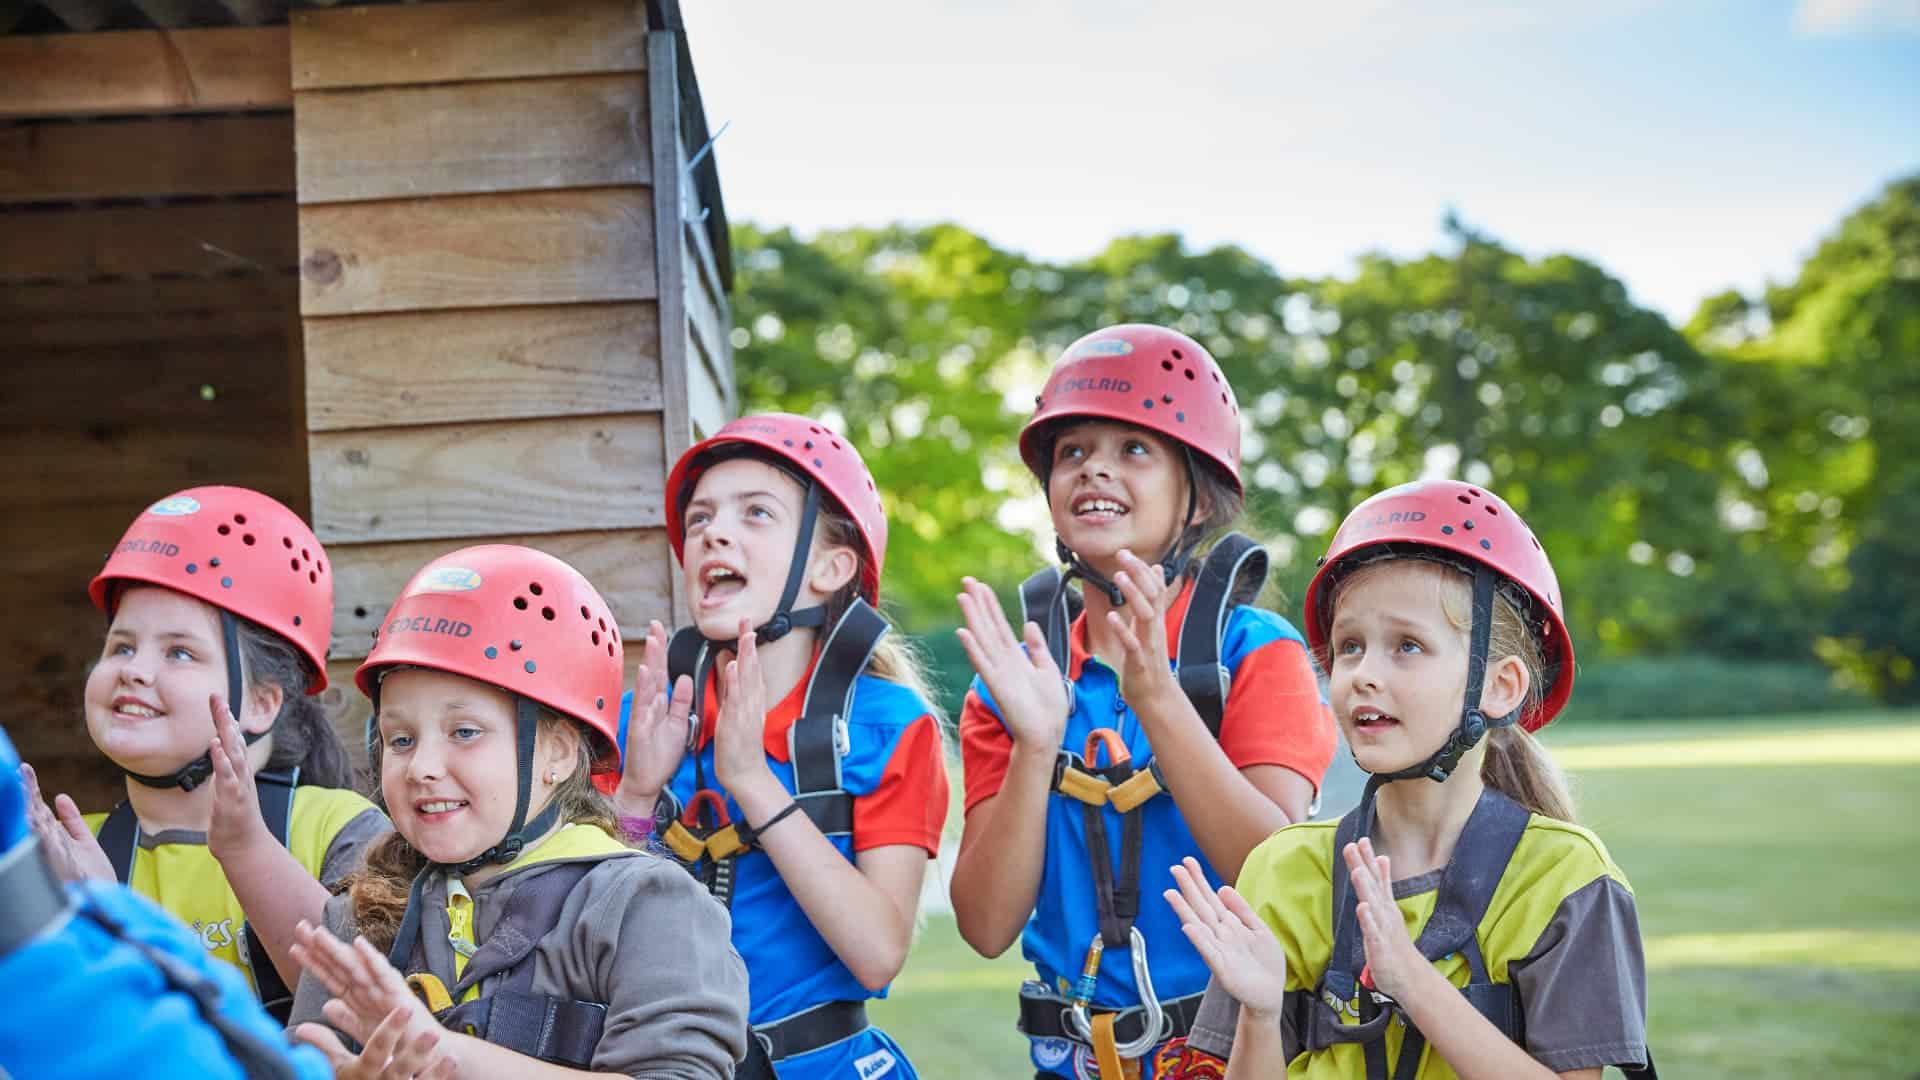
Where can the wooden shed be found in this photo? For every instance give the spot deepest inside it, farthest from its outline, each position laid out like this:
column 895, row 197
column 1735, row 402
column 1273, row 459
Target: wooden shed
column 430, row 273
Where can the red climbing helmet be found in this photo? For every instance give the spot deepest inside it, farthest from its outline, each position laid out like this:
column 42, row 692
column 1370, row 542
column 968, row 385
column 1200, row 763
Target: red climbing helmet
column 1473, row 525
column 518, row 619
column 238, row 550
column 816, row 452
column 1149, row 376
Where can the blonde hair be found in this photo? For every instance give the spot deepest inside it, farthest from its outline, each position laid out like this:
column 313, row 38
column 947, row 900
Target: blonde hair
column 1515, row 764
column 380, row 888
column 895, row 658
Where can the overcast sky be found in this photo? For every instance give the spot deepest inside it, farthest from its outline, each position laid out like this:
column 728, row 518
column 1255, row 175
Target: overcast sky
column 1687, row 146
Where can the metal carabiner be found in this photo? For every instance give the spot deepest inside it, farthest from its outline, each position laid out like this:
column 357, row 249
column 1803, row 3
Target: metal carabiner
column 1156, row 1026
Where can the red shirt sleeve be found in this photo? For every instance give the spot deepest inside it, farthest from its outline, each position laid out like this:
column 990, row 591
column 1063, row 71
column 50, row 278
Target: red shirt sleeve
column 985, row 749
column 1274, row 715
column 909, row 805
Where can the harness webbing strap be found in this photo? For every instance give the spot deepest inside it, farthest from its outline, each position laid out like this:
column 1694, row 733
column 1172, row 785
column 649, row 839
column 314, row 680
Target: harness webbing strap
column 1235, row 566
column 1467, row 885
column 816, row 744
column 120, row 838
column 508, row 1013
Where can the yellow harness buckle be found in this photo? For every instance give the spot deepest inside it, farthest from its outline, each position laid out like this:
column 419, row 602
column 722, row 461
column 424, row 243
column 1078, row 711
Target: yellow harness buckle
column 428, row 988
column 725, row 843
column 684, row 844
column 1084, row 786
column 1138, row 788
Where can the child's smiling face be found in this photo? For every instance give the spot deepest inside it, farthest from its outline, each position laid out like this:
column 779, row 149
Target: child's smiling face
column 146, row 698
column 449, row 762
column 1115, row 487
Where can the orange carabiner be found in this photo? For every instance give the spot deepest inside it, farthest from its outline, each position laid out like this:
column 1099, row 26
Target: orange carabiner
column 1117, row 752
column 690, row 814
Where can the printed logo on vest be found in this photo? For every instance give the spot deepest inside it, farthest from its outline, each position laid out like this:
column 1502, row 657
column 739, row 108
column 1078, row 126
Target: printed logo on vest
column 875, row 1065
column 1051, row 1053
column 175, row 506
column 448, row 579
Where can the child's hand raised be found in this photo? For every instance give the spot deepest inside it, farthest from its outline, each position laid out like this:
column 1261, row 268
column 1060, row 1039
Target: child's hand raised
column 656, row 729
column 399, row 1049
column 72, row 849
column 1142, row 628
column 366, row 989
column 1392, row 961
column 235, row 822
column 1026, row 685
column 1241, row 951
column 739, row 745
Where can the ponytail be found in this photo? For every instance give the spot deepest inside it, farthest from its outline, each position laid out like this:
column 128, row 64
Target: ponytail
column 895, row 658
column 302, row 737
column 1518, row 767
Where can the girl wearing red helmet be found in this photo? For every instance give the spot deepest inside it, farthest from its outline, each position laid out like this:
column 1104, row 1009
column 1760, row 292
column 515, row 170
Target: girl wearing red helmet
column 1073, row 786
column 811, row 790
column 1440, row 620
column 238, row 820
column 504, row 908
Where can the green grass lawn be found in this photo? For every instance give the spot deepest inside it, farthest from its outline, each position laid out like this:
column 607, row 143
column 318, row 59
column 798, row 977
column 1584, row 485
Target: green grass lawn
column 1774, row 862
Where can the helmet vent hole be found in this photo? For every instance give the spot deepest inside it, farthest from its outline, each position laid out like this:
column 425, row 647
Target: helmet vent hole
column 313, row 578
column 239, row 519
column 596, row 637
column 224, row 529
column 1223, row 397
column 359, row 612
column 1177, row 355
column 247, row 539
column 294, row 565
column 534, row 588
column 1474, row 493
column 520, row 602
column 1491, row 509
column 546, row 613
column 305, row 556
column 1189, row 374
column 609, row 648
column 1464, row 499
column 287, row 542
column 585, row 614
column 1166, row 365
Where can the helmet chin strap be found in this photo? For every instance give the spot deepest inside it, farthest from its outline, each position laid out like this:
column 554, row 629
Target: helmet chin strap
column 1171, row 562
column 195, row 772
column 1474, row 724
column 526, row 725
column 785, row 620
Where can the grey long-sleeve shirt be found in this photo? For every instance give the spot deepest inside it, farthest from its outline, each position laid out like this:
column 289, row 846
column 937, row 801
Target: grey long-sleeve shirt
column 638, row 934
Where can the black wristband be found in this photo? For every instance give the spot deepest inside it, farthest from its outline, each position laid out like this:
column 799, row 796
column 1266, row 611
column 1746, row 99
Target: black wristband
column 790, row 808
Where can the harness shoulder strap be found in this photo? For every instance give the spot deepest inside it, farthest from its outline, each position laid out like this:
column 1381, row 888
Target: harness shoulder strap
column 544, row 1026
column 119, row 835
column 1046, row 600
column 1236, row 566
column 1468, row 883
column 818, row 739
column 274, row 789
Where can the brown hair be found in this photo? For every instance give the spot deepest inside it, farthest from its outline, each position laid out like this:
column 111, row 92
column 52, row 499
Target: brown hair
column 1515, row 765
column 302, row 736
column 379, row 889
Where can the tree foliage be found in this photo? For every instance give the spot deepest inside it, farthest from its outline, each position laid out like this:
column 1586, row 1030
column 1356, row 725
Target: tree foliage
column 1738, row 488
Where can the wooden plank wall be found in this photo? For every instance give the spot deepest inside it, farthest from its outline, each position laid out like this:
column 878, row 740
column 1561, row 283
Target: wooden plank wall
column 492, row 350
column 147, row 313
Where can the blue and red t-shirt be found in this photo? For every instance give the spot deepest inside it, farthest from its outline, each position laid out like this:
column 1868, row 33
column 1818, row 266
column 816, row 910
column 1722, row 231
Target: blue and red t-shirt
column 1275, row 714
